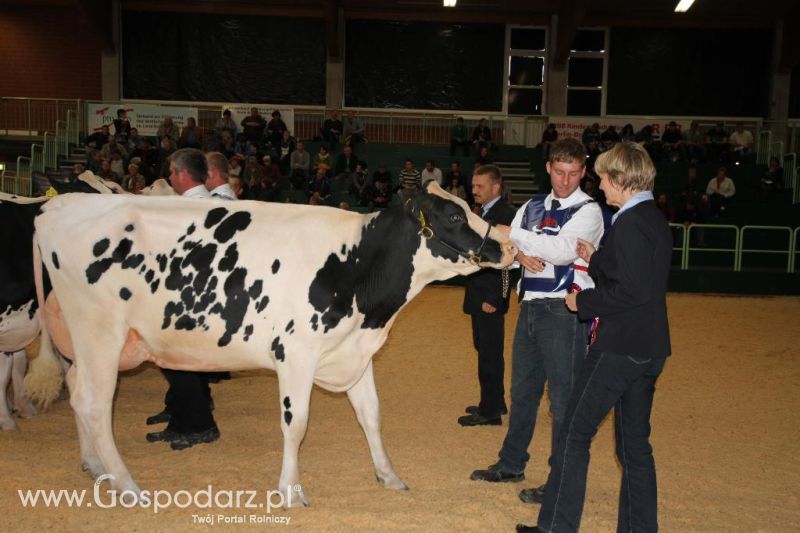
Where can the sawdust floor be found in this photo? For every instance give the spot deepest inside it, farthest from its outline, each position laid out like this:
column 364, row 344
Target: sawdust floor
column 726, row 428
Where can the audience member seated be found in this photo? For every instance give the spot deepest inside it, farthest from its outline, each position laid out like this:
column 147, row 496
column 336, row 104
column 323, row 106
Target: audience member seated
column 240, row 148
column 234, row 167
column 113, row 147
column 772, row 181
column 431, row 172
column 693, row 143
column 133, row 181
column 271, row 169
column 588, row 185
column 359, row 184
column 133, row 140
column 226, row 144
column 98, row 138
column 275, row 130
column 459, row 136
column 591, row 133
column 627, row 134
column 117, row 165
column 455, row 188
column 323, row 158
column 382, row 174
column 252, row 172
column 717, row 143
column 122, row 126
column 168, row 130
column 147, row 160
column 693, row 188
column 253, row 126
column 549, row 135
column 740, row 142
column 265, row 189
column 592, row 153
column 319, row 189
column 77, row 170
column 106, row 173
column 646, row 138
column 300, row 166
column 345, row 166
column 164, row 153
column 379, row 194
column 410, row 181
column 482, row 136
column 671, row 142
column 353, row 130
column 609, row 138
column 662, row 203
column 332, row 130
column 720, row 190
column 484, row 156
column 226, row 124
column 238, row 186
column 94, row 160
column 191, row 136
column 285, row 150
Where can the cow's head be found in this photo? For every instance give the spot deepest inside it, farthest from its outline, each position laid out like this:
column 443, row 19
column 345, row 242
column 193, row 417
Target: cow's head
column 454, row 232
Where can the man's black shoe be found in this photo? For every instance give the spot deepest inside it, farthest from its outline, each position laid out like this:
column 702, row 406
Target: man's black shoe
column 166, row 435
column 160, row 418
column 187, row 440
column 478, row 419
column 534, row 495
column 473, row 409
column 529, row 529
column 494, row 474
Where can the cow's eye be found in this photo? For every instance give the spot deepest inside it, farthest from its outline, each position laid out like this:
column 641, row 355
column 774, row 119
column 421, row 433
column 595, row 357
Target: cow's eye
column 455, row 217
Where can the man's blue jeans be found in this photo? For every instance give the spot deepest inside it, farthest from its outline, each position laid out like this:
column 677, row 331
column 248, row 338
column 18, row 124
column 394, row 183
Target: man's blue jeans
column 627, row 384
column 549, row 345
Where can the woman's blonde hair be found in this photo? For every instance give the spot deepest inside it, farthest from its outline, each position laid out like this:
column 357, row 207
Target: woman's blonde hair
column 628, row 166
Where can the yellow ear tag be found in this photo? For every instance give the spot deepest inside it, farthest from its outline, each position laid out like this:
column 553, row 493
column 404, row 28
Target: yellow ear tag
column 51, row 192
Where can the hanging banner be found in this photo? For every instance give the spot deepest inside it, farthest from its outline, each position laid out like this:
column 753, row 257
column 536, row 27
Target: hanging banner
column 240, row 111
column 144, row 117
column 574, row 126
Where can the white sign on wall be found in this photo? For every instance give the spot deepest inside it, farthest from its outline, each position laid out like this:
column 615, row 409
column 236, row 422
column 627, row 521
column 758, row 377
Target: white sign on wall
column 240, row 111
column 574, row 126
column 144, row 117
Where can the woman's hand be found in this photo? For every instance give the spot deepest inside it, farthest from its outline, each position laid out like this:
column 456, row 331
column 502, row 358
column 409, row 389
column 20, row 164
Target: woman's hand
column 571, row 300
column 584, row 249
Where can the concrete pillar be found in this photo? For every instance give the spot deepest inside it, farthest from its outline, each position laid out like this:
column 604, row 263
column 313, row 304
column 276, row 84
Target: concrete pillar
column 556, row 76
column 779, row 90
column 110, row 60
column 334, row 84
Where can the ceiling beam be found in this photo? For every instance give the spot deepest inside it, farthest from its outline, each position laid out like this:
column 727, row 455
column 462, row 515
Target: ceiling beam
column 570, row 16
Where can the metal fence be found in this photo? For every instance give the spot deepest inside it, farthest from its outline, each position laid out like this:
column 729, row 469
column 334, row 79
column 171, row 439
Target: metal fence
column 34, row 116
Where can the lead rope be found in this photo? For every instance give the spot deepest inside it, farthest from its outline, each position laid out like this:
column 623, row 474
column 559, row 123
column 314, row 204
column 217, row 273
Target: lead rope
column 504, row 276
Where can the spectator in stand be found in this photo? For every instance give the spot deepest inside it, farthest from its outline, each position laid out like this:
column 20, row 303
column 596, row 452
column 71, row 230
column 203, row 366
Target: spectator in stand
column 285, row 150
column 299, row 166
column 720, row 190
column 627, row 133
column 646, row 138
column 133, row 181
column 459, row 136
column 671, row 142
column 252, row 174
column 692, row 188
column 226, row 144
column 382, row 174
column 591, row 133
column 717, row 143
column 431, row 172
column 484, row 156
column 549, row 136
column 319, row 190
column 609, row 138
column 379, row 195
column 105, row 172
column 345, row 166
column 740, row 141
column 98, row 138
column 168, row 130
column 693, row 143
column 191, row 136
column 271, row 169
column 455, row 188
column 662, row 203
column 410, row 181
column 772, row 181
column 240, row 148
column 226, row 124
column 332, row 130
column 592, row 153
column 359, row 185
column 264, row 189
column 94, row 161
column 164, row 153
column 589, row 186
column 323, row 158
column 353, row 130
column 253, row 126
column 113, row 147
column 275, row 130
column 133, row 140
column 238, row 187
column 482, row 136
column 147, row 159
column 234, row 167
column 77, row 170
column 122, row 126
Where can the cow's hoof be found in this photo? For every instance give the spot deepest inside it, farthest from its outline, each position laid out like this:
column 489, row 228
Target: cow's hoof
column 25, row 409
column 8, row 425
column 95, row 471
column 392, row 482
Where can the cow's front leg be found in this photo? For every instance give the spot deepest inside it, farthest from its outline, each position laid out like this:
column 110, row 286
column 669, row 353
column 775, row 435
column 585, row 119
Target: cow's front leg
column 295, row 395
column 364, row 399
column 22, row 404
column 6, row 422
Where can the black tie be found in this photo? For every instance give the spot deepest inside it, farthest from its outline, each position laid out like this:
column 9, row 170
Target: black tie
column 555, row 204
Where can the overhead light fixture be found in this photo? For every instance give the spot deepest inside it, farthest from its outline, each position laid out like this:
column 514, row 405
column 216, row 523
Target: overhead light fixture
column 683, row 6
column 449, row 3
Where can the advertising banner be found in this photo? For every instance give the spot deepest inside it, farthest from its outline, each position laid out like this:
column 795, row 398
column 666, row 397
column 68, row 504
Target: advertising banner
column 574, row 126
column 144, row 117
column 240, row 111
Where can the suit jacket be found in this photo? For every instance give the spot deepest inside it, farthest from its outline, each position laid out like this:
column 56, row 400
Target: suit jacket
column 486, row 285
column 631, row 271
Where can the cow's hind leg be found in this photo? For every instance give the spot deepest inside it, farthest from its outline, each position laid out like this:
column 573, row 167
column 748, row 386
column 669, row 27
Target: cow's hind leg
column 6, row 422
column 90, row 462
column 22, row 403
column 295, row 397
column 364, row 399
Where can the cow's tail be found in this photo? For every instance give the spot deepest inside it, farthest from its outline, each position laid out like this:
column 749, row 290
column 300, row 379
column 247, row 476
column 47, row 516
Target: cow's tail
column 45, row 373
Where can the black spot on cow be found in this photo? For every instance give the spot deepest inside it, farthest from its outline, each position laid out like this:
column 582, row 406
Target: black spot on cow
column 162, row 262
column 255, row 289
column 287, row 416
column 55, row 261
column 176, row 280
column 172, row 253
column 287, row 403
column 149, row 276
column 187, row 297
column 122, row 250
column 248, row 330
column 314, row 321
column 133, row 261
column 185, row 322
column 275, row 266
column 376, row 273
column 277, row 347
column 129, row 227
column 236, row 303
column 97, row 269
column 170, row 310
column 191, row 229
column 228, row 262
column 228, row 227
column 154, row 286
column 100, row 247
column 344, row 250
column 262, row 304
column 124, row 293
column 142, row 269
column 290, row 325
column 213, row 217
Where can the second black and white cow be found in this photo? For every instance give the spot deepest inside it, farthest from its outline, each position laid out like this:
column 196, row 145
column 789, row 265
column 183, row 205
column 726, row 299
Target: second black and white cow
column 310, row 292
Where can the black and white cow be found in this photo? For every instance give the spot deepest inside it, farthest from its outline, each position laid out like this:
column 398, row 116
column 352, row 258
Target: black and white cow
column 19, row 323
column 310, row 292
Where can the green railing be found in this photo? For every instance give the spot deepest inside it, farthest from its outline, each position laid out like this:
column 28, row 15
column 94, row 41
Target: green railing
column 34, row 116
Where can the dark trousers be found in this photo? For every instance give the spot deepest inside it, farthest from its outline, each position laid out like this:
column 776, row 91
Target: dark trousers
column 627, row 384
column 188, row 401
column 464, row 144
column 488, row 331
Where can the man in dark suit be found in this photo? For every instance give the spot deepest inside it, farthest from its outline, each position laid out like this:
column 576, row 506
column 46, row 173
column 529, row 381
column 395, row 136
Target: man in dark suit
column 486, row 301
column 630, row 348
